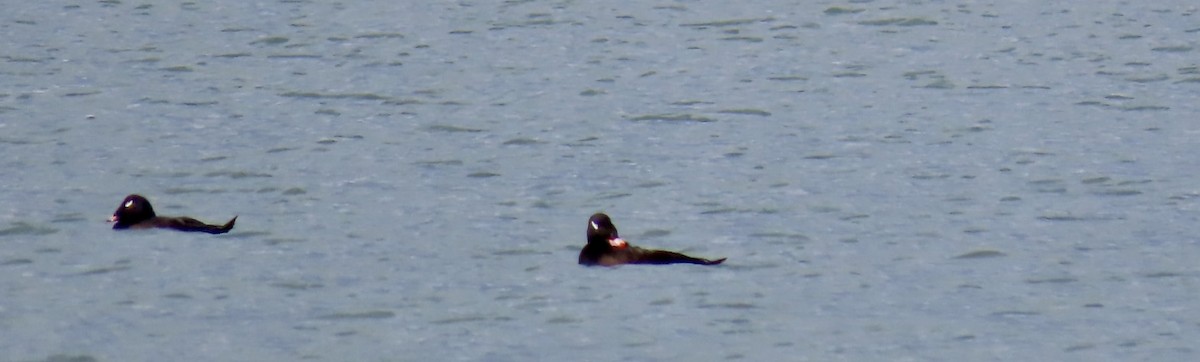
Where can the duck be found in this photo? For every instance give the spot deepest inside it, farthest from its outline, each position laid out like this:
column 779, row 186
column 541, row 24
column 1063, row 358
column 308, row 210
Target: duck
column 135, row 212
column 605, row 247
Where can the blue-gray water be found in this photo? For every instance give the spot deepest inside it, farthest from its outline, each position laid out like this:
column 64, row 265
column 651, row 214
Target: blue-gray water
column 890, row 180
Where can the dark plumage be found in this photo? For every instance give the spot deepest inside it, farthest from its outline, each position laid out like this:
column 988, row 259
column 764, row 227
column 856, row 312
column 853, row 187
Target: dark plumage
column 135, row 212
column 606, row 248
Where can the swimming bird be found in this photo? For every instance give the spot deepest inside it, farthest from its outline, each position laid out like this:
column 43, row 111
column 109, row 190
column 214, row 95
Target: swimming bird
column 135, row 212
column 606, row 248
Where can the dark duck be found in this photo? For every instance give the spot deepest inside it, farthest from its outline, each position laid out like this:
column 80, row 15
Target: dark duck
column 606, row 248
column 135, row 212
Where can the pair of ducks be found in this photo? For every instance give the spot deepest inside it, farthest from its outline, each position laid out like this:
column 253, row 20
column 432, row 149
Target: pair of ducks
column 604, row 247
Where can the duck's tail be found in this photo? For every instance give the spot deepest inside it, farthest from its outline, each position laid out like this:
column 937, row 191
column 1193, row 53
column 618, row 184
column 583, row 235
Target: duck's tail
column 225, row 228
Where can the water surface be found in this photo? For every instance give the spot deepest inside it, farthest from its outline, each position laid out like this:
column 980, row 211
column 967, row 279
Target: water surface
column 889, row 180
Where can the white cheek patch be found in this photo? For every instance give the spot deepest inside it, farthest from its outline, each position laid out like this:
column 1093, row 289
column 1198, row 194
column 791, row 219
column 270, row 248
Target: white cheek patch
column 129, row 204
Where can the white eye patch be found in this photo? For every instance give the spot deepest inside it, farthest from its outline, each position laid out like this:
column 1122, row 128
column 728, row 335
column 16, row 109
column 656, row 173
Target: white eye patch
column 129, row 204
column 594, row 226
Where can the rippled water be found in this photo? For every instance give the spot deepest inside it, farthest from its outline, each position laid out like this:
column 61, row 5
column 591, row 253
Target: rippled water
column 916, row 180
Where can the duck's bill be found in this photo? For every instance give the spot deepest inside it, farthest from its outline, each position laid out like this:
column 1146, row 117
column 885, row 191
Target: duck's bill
column 112, row 218
column 618, row 243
